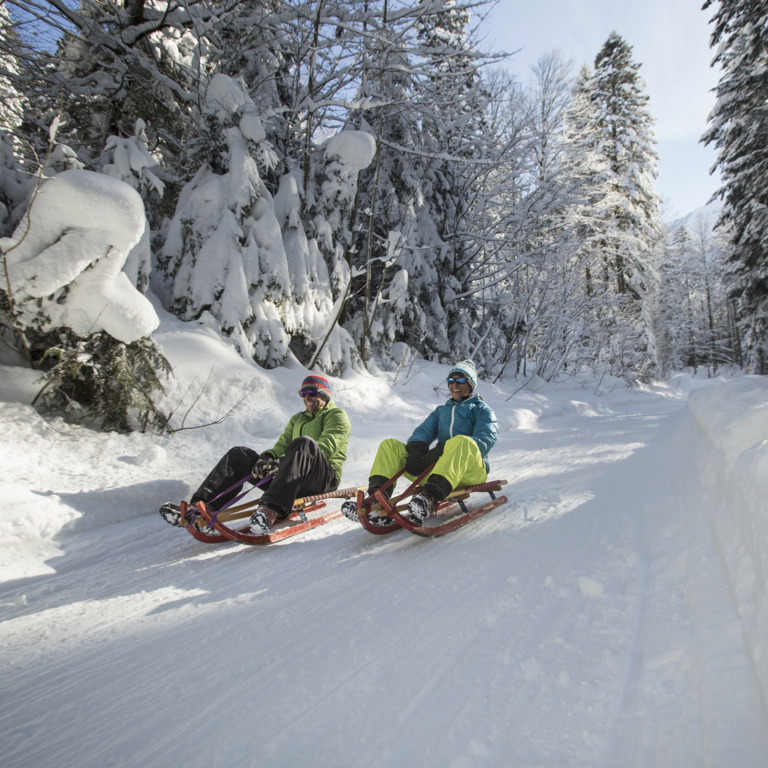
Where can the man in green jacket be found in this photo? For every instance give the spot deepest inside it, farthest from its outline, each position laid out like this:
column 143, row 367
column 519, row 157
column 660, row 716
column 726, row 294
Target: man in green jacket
column 306, row 459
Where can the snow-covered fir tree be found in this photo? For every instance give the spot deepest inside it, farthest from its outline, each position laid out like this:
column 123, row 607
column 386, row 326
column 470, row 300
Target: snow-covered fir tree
column 629, row 208
column 13, row 103
column 333, row 212
column 625, row 126
column 260, row 42
column 130, row 160
column 393, row 296
column 223, row 252
column 455, row 131
column 414, row 261
column 738, row 129
column 14, row 185
column 590, row 177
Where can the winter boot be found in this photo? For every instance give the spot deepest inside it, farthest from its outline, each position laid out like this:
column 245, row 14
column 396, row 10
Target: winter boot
column 171, row 513
column 374, row 483
column 262, row 520
column 349, row 510
column 349, row 507
column 426, row 503
column 380, row 522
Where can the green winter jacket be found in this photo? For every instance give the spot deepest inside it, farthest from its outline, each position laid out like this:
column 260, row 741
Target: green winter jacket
column 329, row 427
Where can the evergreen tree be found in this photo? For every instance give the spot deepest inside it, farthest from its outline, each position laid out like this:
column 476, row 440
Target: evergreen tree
column 627, row 207
column 625, row 127
column 224, row 251
column 417, row 259
column 393, row 295
column 277, row 47
column 13, row 103
column 586, row 215
column 455, row 129
column 334, row 212
column 739, row 130
column 14, row 185
column 130, row 160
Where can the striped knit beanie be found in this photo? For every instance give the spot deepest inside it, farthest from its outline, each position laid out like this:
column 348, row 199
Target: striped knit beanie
column 466, row 368
column 320, row 383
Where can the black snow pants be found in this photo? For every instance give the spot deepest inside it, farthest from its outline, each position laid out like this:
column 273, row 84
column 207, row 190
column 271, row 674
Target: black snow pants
column 303, row 471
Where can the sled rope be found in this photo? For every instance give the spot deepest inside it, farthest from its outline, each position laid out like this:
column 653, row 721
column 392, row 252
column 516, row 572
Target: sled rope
column 237, row 498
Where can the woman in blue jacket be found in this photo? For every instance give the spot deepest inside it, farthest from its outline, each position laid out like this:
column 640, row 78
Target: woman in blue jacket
column 464, row 431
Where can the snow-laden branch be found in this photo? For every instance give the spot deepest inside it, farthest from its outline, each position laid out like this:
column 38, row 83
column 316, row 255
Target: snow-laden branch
column 67, row 263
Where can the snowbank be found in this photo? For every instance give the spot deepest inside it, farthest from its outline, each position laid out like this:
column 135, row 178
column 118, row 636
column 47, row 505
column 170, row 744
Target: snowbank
column 732, row 460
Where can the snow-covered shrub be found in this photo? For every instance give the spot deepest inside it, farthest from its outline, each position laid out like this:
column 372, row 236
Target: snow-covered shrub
column 65, row 258
column 76, row 311
column 102, row 382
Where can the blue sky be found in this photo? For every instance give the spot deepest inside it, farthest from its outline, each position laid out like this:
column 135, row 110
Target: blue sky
column 669, row 38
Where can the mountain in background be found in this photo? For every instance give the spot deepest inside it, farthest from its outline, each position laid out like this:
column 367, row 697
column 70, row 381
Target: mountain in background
column 708, row 214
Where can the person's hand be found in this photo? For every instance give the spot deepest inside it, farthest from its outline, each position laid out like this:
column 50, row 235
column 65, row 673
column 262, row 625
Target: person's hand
column 433, row 454
column 265, row 466
column 415, row 462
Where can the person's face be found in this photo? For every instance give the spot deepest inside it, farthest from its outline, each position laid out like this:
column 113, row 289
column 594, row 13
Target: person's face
column 458, row 385
column 312, row 401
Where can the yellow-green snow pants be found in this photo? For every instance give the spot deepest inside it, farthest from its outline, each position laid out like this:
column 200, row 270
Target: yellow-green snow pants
column 461, row 463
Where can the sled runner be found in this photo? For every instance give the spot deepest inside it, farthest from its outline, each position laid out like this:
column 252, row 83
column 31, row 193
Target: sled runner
column 379, row 514
column 232, row 523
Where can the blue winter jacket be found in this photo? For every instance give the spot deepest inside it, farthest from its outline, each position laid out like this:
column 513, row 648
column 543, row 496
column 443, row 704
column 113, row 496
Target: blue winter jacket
column 472, row 417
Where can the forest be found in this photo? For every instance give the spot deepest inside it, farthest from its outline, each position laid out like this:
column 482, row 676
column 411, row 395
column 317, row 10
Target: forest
column 357, row 183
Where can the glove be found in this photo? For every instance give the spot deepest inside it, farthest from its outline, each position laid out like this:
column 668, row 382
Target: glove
column 433, row 454
column 415, row 461
column 266, row 465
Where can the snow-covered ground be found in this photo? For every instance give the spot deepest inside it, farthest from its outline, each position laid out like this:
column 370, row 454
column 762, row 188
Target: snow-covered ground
column 612, row 613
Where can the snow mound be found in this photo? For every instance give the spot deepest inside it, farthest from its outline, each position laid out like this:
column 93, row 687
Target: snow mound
column 62, row 244
column 733, row 467
column 733, row 417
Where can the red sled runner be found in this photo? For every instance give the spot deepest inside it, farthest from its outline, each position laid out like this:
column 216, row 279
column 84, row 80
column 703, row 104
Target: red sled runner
column 226, row 524
column 375, row 511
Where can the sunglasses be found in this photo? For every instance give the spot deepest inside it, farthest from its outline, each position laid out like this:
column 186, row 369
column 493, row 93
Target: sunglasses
column 457, row 380
column 307, row 393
